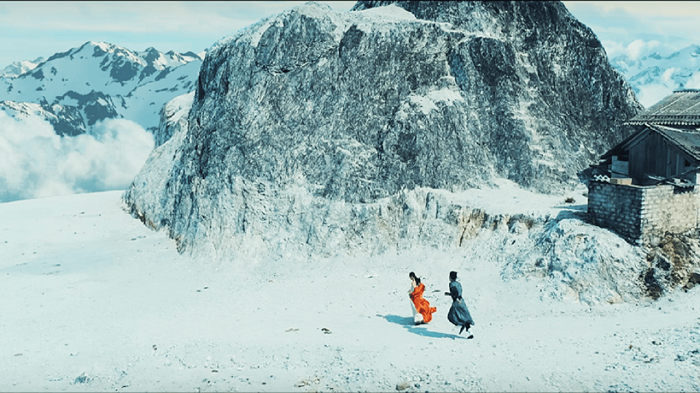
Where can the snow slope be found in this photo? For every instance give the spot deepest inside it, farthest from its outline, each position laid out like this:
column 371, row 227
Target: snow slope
column 95, row 301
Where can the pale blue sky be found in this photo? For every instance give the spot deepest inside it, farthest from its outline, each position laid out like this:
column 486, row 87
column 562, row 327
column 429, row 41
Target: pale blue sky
column 40, row 28
column 32, row 29
column 634, row 27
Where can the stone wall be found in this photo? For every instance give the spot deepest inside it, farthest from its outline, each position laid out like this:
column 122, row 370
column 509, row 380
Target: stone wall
column 641, row 213
column 616, row 206
column 668, row 209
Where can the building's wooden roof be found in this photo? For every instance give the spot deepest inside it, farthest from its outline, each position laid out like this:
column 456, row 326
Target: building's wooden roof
column 687, row 139
column 682, row 108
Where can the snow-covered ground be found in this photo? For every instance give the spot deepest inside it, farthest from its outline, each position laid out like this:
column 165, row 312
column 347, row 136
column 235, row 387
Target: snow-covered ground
column 92, row 300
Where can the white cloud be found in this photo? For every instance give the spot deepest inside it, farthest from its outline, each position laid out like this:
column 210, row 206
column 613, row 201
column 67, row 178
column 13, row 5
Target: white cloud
column 33, row 29
column 694, row 81
column 673, row 25
column 668, row 74
column 38, row 163
column 636, row 49
column 639, row 48
column 613, row 48
column 652, row 93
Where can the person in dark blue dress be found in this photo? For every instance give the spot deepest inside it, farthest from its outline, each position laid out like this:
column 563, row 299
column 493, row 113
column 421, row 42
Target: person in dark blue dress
column 459, row 313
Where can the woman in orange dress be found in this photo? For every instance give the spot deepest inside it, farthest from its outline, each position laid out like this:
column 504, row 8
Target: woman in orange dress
column 423, row 312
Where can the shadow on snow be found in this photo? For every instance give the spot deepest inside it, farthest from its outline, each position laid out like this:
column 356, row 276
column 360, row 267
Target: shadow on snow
column 421, row 330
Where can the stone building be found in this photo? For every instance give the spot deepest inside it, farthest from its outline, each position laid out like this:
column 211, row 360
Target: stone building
column 650, row 184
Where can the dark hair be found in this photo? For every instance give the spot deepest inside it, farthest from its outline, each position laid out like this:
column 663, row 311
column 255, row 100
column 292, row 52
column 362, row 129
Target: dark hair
column 453, row 275
column 413, row 276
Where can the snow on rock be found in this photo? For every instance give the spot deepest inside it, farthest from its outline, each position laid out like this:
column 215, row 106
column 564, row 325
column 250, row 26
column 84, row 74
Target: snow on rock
column 577, row 260
column 160, row 161
column 173, row 117
column 317, row 134
column 25, row 110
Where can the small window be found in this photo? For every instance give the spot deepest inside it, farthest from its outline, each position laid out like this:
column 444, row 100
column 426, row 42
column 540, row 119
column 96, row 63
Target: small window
column 686, row 163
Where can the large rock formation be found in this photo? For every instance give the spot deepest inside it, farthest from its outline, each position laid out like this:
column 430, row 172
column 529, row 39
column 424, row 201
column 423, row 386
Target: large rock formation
column 319, row 131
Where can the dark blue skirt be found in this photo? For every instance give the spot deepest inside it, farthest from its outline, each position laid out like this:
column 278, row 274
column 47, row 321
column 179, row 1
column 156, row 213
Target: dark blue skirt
column 459, row 313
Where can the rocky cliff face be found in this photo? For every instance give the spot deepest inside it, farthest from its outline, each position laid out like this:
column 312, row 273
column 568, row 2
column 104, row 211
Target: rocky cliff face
column 318, row 131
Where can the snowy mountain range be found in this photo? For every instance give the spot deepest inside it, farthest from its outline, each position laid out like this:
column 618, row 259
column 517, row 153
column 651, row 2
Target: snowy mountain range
column 75, row 89
column 653, row 76
column 20, row 67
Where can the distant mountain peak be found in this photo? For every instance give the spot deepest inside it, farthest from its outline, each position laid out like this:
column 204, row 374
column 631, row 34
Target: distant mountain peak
column 654, row 76
column 20, row 67
column 100, row 80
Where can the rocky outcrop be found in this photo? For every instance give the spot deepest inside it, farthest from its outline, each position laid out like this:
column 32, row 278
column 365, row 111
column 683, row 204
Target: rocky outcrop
column 673, row 261
column 306, row 126
column 173, row 118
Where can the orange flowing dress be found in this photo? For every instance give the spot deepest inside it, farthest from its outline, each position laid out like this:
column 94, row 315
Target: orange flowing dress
column 422, row 305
